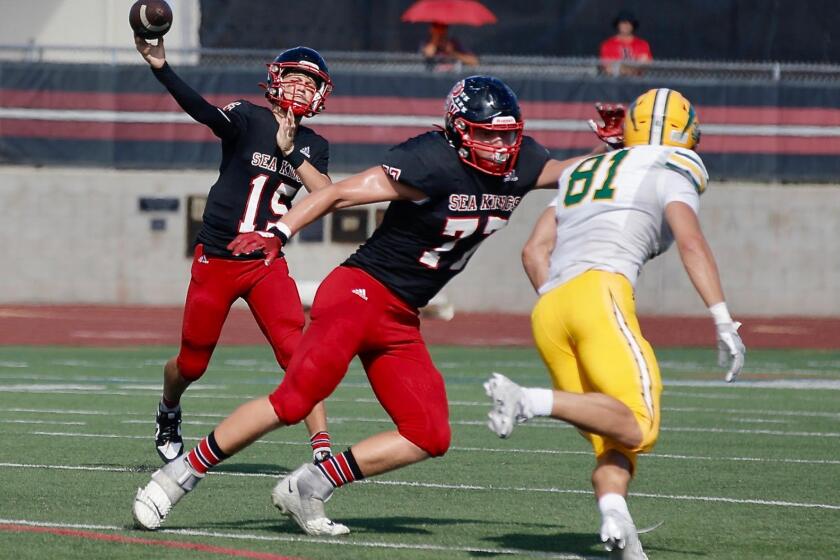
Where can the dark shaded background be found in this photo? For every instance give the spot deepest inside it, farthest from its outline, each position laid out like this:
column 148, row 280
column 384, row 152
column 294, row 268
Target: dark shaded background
column 746, row 30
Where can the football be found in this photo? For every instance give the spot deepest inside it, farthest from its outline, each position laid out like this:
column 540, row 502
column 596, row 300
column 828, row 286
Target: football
column 150, row 19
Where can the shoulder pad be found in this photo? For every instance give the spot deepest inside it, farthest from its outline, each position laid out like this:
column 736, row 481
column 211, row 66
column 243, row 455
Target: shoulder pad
column 688, row 164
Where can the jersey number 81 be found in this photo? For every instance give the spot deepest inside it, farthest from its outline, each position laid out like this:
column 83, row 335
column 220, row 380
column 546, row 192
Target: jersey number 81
column 580, row 181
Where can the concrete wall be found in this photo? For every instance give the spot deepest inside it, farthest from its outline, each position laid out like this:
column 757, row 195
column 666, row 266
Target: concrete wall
column 78, row 236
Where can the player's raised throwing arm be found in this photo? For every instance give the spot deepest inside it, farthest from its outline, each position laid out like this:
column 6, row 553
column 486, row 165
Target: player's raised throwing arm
column 190, row 100
column 367, row 187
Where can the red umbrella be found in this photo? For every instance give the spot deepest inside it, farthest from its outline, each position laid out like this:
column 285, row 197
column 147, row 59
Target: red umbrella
column 450, row 12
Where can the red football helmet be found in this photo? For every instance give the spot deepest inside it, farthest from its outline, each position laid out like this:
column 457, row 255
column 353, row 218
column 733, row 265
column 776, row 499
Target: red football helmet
column 285, row 92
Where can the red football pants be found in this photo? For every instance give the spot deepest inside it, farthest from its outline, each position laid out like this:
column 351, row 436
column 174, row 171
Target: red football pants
column 353, row 314
column 215, row 284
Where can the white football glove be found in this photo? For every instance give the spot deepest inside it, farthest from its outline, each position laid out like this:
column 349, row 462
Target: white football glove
column 730, row 349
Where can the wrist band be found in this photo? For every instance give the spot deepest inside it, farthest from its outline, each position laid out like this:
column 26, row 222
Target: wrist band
column 720, row 313
column 295, row 158
column 282, row 231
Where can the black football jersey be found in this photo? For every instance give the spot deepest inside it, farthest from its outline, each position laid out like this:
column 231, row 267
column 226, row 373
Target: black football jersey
column 255, row 185
column 420, row 246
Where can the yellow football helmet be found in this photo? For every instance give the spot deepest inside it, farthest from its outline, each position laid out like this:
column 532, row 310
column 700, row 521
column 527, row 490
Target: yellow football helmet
column 661, row 117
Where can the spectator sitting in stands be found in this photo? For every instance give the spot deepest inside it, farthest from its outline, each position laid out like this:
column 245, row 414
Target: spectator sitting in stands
column 441, row 51
column 624, row 46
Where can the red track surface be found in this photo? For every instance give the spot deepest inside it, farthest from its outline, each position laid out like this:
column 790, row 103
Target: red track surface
column 132, row 326
column 122, row 539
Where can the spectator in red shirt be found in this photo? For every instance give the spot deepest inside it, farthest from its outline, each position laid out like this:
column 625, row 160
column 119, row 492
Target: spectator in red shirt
column 624, row 46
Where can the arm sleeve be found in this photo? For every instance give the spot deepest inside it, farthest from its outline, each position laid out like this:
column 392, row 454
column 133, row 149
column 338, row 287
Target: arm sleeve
column 220, row 122
column 675, row 187
column 321, row 156
column 689, row 165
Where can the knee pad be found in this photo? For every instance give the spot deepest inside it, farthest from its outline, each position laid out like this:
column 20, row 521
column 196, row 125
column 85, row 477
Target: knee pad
column 310, row 378
column 433, row 438
column 290, row 406
column 192, row 364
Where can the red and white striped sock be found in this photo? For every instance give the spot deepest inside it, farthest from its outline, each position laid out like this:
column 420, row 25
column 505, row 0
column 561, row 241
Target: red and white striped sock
column 320, row 442
column 206, row 455
column 341, row 469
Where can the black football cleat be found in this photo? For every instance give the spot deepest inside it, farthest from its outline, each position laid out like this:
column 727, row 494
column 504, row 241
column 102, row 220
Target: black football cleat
column 168, row 440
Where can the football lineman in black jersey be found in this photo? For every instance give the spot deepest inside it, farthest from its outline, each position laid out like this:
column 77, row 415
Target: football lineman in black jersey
column 266, row 157
column 449, row 190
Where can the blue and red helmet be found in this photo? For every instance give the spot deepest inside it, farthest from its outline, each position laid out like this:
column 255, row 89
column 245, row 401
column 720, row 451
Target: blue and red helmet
column 302, row 60
column 479, row 107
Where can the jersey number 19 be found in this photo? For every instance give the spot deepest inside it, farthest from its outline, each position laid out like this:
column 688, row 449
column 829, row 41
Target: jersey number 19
column 249, row 218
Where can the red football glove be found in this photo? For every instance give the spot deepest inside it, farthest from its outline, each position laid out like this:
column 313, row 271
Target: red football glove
column 612, row 131
column 246, row 243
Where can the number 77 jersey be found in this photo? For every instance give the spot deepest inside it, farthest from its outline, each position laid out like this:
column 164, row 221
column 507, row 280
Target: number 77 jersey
column 421, row 245
column 610, row 209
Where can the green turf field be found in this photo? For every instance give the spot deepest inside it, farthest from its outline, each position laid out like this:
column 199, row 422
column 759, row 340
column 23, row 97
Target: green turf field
column 744, row 471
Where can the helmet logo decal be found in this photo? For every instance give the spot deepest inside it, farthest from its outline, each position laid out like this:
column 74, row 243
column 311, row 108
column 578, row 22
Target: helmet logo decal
column 457, row 99
column 503, row 120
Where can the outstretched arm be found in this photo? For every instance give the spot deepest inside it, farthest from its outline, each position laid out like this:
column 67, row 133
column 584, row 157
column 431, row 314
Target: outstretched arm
column 702, row 269
column 553, row 168
column 373, row 185
column 536, row 254
column 695, row 252
column 190, row 100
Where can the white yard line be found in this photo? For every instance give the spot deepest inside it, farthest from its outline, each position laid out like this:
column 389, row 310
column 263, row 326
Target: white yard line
column 480, row 404
column 343, row 542
column 544, row 424
column 46, row 422
column 514, row 450
column 562, row 426
column 473, row 487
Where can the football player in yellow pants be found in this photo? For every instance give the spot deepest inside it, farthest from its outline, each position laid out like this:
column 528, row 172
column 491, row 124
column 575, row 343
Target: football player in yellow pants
column 614, row 212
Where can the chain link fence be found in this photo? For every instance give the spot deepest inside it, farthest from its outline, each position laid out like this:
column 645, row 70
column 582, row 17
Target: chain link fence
column 412, row 63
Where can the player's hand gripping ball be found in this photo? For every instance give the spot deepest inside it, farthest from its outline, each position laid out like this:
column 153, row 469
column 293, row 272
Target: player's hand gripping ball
column 150, row 19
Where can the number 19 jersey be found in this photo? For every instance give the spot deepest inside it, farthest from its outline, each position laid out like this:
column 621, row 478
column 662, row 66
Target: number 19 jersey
column 610, row 209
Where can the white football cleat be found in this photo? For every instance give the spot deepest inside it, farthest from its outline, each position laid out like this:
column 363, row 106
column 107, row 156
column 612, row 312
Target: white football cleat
column 618, row 533
column 510, row 407
column 301, row 496
column 168, row 485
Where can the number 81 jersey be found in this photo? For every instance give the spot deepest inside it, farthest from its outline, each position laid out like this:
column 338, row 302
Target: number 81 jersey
column 610, row 209
column 421, row 245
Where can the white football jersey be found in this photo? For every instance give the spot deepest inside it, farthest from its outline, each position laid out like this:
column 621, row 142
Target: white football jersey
column 610, row 209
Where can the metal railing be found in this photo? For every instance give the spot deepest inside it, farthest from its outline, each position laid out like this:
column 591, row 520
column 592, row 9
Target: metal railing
column 413, row 63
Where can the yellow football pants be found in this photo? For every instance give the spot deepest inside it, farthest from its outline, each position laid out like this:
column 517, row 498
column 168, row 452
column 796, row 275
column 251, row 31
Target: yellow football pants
column 587, row 334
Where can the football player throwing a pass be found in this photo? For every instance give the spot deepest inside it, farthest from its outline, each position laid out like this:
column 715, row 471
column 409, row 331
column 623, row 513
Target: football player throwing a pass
column 613, row 213
column 266, row 158
column 449, row 191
